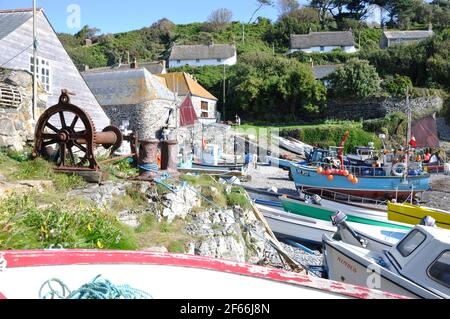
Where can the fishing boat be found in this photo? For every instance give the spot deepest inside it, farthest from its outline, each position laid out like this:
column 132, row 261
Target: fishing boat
column 418, row 266
column 359, row 181
column 39, row 274
column 325, row 209
column 411, row 214
column 309, row 229
column 294, row 146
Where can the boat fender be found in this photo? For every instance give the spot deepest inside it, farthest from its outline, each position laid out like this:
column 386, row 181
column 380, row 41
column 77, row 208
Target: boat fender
column 316, row 199
column 399, row 169
column 428, row 221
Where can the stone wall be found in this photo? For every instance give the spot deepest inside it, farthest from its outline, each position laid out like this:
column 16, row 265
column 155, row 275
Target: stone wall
column 380, row 107
column 16, row 121
column 146, row 119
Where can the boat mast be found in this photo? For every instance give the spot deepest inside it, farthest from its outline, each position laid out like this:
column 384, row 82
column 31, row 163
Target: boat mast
column 408, row 137
column 34, row 106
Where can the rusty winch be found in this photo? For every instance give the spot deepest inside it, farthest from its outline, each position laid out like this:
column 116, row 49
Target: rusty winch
column 66, row 134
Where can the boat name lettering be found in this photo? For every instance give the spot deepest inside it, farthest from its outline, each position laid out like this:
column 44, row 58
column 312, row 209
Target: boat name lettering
column 348, row 265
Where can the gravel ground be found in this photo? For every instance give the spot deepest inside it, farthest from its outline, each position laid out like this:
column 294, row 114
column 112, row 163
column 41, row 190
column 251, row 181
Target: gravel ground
column 439, row 197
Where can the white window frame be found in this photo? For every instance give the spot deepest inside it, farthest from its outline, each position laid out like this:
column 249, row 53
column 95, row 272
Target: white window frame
column 46, row 78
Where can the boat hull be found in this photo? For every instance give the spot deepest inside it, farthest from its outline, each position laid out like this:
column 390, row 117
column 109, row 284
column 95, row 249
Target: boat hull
column 390, row 187
column 322, row 213
column 358, row 268
column 165, row 276
column 411, row 214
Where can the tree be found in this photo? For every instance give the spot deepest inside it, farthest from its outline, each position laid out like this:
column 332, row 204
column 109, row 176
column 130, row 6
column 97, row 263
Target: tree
column 220, row 16
column 261, row 4
column 87, row 32
column 286, row 7
column 356, row 79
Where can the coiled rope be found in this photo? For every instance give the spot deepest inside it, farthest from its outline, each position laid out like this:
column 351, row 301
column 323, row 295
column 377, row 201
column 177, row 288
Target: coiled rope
column 98, row 288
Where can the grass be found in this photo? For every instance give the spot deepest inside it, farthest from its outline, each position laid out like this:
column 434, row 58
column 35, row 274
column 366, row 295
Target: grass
column 26, row 225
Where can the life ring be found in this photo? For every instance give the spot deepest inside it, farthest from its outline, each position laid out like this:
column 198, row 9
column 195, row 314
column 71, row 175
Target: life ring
column 395, row 169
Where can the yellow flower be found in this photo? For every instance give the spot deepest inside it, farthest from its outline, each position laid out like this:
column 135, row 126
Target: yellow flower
column 99, row 244
column 89, row 227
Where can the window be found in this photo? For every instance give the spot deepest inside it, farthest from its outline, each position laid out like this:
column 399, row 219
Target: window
column 205, row 109
column 43, row 71
column 440, row 269
column 411, row 243
column 322, row 49
column 198, row 60
column 178, row 61
column 219, row 60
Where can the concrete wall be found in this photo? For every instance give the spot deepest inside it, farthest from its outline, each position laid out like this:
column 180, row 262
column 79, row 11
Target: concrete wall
column 229, row 61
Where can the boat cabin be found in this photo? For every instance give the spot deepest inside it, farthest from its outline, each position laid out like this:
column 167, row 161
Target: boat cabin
column 423, row 256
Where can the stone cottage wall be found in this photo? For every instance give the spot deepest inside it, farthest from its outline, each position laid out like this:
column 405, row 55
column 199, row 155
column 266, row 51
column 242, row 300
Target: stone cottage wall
column 146, row 119
column 380, row 107
column 16, row 121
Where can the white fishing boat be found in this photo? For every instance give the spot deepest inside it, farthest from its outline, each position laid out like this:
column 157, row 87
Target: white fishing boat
column 53, row 273
column 294, row 146
column 311, row 230
column 418, row 266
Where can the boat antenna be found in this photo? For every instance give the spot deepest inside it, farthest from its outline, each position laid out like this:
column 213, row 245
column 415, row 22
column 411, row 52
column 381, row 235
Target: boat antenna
column 408, row 137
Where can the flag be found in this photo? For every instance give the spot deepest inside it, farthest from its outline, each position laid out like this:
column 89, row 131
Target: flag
column 413, row 142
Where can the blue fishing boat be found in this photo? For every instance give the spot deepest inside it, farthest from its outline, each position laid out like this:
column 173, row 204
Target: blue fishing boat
column 374, row 183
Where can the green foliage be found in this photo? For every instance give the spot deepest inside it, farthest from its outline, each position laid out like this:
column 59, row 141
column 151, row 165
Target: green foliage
column 237, row 198
column 397, row 85
column 425, row 63
column 265, row 86
column 334, row 57
column 356, row 79
column 176, row 247
column 331, row 135
column 389, row 125
column 25, row 225
column 40, row 169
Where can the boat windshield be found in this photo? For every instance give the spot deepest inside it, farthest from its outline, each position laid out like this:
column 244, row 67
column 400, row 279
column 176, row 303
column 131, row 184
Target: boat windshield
column 440, row 270
column 411, row 243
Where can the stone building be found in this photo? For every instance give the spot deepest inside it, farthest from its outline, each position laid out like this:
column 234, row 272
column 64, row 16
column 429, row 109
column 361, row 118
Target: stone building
column 16, row 115
column 135, row 97
column 392, row 38
column 56, row 70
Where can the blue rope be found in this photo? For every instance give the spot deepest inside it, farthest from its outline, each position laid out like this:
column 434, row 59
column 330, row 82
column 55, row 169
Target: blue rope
column 149, row 167
column 98, row 288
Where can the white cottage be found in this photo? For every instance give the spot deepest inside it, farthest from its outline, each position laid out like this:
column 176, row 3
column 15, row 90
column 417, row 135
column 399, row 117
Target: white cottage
column 55, row 68
column 322, row 42
column 205, row 104
column 201, row 55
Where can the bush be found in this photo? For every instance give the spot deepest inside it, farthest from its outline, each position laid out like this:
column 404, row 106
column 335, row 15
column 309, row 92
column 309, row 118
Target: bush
column 356, row 79
column 397, row 85
column 331, row 135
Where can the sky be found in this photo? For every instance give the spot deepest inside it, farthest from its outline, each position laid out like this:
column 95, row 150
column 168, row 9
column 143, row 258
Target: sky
column 113, row 16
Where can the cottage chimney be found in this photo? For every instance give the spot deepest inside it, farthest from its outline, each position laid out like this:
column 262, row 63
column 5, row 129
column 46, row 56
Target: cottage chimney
column 86, row 67
column 310, row 30
column 430, row 26
column 87, row 42
column 128, row 57
column 164, row 66
column 134, row 64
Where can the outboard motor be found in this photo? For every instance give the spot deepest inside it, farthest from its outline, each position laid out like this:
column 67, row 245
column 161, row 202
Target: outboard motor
column 340, row 221
column 428, row 221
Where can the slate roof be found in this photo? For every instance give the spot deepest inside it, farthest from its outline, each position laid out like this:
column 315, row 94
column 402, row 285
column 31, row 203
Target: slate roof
column 10, row 20
column 126, row 87
column 318, row 39
column 322, row 71
column 185, row 85
column 156, row 67
column 420, row 34
column 202, row 52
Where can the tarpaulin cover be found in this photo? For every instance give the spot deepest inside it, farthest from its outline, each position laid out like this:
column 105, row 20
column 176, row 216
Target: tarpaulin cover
column 425, row 132
column 188, row 116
